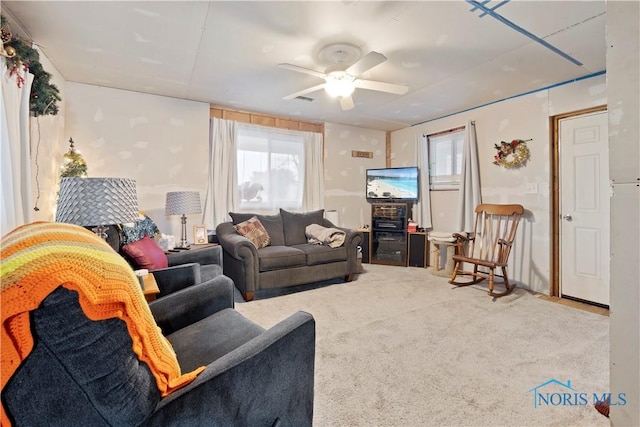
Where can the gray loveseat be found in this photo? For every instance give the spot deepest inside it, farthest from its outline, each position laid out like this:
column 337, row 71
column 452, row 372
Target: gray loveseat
column 288, row 260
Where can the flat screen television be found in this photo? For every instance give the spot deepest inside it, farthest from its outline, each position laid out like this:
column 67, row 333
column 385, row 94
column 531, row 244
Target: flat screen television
column 393, row 184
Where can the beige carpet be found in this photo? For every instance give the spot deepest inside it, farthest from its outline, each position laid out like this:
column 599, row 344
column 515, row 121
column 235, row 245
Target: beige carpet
column 401, row 347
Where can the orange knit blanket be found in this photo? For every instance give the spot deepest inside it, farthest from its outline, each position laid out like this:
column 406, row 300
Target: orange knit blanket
column 38, row 257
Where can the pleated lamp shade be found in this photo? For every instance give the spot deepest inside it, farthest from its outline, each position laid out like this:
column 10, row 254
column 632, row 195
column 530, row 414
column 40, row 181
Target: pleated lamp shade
column 97, row 201
column 183, row 202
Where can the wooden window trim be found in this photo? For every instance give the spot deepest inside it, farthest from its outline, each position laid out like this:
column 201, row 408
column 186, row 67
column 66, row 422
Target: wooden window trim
column 444, row 132
column 265, row 120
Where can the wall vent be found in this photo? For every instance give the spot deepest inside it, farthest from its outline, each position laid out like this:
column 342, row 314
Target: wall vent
column 304, row 98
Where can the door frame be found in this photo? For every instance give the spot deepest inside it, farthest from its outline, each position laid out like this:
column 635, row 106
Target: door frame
column 554, row 153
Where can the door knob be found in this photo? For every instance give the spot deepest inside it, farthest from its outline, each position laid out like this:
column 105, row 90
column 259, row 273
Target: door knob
column 567, row 217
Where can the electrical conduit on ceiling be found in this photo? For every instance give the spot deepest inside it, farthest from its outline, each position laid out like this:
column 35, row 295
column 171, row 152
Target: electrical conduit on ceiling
column 491, row 12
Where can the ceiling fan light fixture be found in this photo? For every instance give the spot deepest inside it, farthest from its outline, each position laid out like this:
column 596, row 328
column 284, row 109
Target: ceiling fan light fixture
column 340, row 84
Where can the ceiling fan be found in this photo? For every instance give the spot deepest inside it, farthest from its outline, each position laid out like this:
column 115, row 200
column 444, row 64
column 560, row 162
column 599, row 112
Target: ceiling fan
column 340, row 81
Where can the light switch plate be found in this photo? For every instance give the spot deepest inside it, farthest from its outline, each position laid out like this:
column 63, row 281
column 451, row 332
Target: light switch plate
column 532, row 188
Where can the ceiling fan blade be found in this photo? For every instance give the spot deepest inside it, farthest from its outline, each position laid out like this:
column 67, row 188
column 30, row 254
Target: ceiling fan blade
column 366, row 63
column 382, row 86
column 305, row 91
column 302, row 70
column 346, row 102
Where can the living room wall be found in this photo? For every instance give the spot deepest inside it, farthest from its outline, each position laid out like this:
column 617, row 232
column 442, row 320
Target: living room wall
column 623, row 69
column 344, row 175
column 161, row 142
column 524, row 117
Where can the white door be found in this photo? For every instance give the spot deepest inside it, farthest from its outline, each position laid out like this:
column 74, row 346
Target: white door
column 584, row 208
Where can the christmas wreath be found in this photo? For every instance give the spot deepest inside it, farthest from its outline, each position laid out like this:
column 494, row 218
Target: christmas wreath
column 511, row 154
column 20, row 55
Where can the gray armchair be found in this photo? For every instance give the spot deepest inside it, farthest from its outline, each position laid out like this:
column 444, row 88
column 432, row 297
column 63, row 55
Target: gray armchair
column 189, row 267
column 82, row 372
column 184, row 268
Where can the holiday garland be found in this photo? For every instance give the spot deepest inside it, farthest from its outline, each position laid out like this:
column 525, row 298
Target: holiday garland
column 511, row 154
column 20, row 55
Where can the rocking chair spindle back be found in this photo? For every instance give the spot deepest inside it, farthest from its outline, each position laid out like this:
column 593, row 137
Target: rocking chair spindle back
column 488, row 246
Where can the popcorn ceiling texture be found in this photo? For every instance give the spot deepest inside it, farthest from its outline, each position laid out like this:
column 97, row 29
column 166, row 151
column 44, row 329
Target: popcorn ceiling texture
column 523, row 117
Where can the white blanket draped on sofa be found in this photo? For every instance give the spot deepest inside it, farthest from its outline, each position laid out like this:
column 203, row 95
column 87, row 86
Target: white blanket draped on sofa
column 319, row 235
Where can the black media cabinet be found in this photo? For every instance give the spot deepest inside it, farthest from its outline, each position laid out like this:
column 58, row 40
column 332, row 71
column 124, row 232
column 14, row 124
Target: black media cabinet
column 389, row 233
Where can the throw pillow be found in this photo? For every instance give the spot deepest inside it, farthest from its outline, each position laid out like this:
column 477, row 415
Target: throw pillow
column 134, row 231
column 295, row 225
column 146, row 254
column 271, row 223
column 253, row 230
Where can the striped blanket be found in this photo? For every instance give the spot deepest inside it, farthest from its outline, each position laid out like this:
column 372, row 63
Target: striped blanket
column 39, row 257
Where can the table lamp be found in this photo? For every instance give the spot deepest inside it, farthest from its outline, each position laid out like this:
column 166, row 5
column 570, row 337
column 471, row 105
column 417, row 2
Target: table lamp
column 183, row 203
column 97, row 202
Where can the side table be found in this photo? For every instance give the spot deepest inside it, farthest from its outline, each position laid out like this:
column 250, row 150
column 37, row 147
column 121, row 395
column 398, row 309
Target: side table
column 192, row 247
column 444, row 244
column 449, row 251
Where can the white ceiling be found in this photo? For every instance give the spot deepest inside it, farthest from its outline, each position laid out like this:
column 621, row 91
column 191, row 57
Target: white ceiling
column 226, row 53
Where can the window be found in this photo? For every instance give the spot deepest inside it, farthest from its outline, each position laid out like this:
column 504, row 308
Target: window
column 445, row 160
column 270, row 168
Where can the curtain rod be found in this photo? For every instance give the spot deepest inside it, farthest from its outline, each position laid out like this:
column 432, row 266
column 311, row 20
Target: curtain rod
column 444, row 132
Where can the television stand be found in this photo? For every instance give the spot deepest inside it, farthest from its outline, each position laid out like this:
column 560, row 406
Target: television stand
column 389, row 233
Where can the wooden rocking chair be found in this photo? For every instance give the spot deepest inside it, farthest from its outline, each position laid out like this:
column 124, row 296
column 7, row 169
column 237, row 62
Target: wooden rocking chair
column 488, row 246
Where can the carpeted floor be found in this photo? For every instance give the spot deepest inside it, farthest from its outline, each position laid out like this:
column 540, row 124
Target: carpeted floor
column 401, row 347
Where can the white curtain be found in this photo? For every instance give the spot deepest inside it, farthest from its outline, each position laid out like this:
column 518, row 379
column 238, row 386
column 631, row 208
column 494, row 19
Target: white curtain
column 313, row 195
column 469, row 195
column 423, row 207
column 222, row 194
column 222, row 190
column 15, row 169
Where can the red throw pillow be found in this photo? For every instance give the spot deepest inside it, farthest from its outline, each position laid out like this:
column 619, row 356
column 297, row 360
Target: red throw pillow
column 146, row 253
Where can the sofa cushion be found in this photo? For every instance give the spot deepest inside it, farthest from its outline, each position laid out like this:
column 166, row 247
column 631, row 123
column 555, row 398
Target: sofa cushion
column 253, row 230
column 146, row 253
column 294, row 225
column 279, row 257
column 322, row 254
column 272, row 223
column 225, row 331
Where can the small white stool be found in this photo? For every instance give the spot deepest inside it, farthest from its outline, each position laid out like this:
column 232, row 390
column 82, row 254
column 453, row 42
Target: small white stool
column 444, row 245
